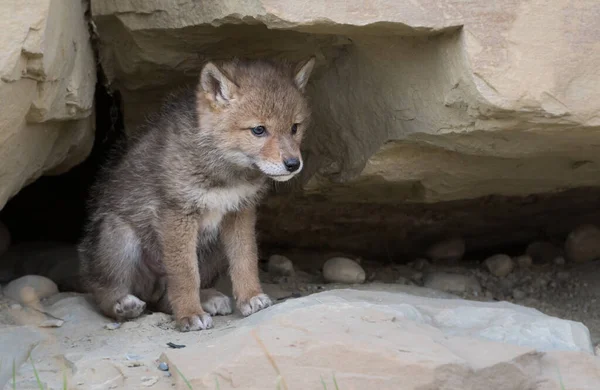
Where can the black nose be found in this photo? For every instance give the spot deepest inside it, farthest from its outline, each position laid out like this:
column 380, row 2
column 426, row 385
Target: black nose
column 291, row 164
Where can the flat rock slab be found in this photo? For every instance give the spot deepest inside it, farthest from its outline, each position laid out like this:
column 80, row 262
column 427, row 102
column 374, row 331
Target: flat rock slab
column 16, row 343
column 391, row 341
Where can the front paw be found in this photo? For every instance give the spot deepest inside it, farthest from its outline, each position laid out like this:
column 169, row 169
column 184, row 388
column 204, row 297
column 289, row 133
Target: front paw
column 200, row 321
column 254, row 304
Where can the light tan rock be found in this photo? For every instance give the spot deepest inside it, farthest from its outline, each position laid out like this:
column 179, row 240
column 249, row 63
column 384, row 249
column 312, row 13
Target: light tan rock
column 583, row 244
column 390, row 341
column 500, row 265
column 30, row 289
column 280, row 265
column 343, row 270
column 47, row 83
column 414, row 100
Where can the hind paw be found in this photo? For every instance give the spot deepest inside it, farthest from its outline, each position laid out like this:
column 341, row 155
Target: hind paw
column 129, row 307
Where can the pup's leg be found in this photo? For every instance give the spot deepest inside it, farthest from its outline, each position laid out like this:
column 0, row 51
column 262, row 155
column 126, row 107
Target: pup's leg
column 180, row 235
column 215, row 302
column 239, row 243
column 109, row 256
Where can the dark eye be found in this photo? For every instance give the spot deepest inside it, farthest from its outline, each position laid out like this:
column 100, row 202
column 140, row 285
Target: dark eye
column 259, row 131
column 294, row 128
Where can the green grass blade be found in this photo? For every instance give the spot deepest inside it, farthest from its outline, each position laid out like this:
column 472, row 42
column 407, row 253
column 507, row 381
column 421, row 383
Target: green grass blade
column 323, row 383
column 335, row 382
column 14, row 376
column 187, row 383
column 37, row 377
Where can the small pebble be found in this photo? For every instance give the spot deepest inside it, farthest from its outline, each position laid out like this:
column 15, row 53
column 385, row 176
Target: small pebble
column 524, row 261
column 30, row 289
column 16, row 306
column 112, row 326
column 149, row 380
column 451, row 282
column 500, row 265
column 452, row 249
column 280, row 266
column 343, row 270
column 52, row 323
column 518, row 294
column 562, row 275
column 163, row 366
column 543, row 252
column 131, row 356
column 583, row 244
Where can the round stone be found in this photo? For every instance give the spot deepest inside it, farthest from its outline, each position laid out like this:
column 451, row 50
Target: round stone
column 280, row 265
column 583, row 244
column 343, row 270
column 499, row 265
column 30, row 289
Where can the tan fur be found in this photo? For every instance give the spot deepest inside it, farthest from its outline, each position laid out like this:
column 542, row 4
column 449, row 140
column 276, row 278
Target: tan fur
column 179, row 206
column 240, row 247
column 180, row 235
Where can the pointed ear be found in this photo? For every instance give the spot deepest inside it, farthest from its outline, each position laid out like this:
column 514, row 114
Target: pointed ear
column 219, row 88
column 303, row 70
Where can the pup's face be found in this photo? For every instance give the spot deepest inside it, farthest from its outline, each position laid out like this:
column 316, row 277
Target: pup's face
column 258, row 113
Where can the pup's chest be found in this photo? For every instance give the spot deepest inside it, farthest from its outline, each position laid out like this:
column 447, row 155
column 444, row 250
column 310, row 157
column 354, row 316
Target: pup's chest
column 228, row 199
column 217, row 202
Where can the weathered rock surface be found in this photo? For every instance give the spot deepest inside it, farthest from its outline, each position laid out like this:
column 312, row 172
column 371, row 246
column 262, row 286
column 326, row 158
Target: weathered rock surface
column 47, row 82
column 280, row 265
column 439, row 338
column 17, row 344
column 30, row 289
column 413, row 101
column 403, row 342
column 583, row 244
column 343, row 270
column 500, row 265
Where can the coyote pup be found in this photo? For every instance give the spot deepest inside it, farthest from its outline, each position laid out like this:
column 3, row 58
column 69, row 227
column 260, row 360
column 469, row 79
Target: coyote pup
column 178, row 206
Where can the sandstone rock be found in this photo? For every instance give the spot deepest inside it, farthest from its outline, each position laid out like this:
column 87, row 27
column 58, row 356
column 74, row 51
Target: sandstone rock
column 543, row 252
column 343, row 270
column 499, row 265
column 30, row 289
column 451, row 282
column 583, row 244
column 450, row 107
column 441, row 343
column 524, row 261
column 4, row 239
column 47, row 81
column 280, row 265
column 452, row 249
column 17, row 344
